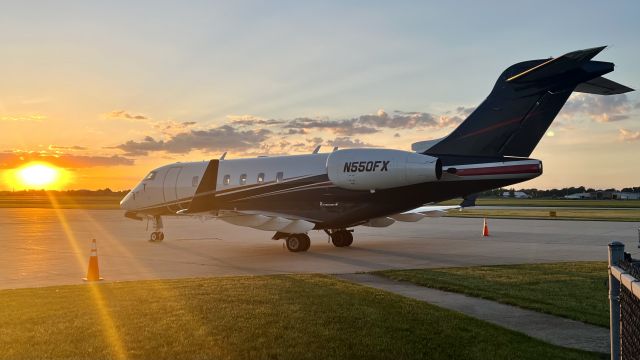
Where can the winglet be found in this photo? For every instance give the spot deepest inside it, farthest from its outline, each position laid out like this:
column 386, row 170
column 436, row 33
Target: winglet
column 315, row 151
column 223, row 156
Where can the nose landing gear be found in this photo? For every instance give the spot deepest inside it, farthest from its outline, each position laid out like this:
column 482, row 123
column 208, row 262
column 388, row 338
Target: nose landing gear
column 157, row 235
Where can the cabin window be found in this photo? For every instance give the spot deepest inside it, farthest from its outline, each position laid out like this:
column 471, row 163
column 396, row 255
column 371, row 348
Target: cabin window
column 260, row 178
column 227, row 180
column 194, row 181
column 151, row 176
column 279, row 176
column 243, row 179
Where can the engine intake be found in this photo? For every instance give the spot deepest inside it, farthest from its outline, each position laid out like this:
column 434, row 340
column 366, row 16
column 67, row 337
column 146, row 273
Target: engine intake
column 373, row 169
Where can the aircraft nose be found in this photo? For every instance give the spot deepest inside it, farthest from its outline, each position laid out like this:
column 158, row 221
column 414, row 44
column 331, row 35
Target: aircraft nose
column 126, row 202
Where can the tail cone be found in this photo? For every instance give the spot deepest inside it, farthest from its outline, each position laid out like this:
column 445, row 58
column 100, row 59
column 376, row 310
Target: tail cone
column 485, row 228
column 93, row 273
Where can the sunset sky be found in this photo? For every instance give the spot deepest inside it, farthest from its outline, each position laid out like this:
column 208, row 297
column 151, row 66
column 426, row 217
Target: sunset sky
column 109, row 90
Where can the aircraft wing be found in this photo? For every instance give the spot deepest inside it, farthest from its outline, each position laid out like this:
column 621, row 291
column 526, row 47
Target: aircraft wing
column 412, row 215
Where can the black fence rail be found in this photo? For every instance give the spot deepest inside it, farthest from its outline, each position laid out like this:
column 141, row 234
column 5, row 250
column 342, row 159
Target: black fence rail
column 624, row 303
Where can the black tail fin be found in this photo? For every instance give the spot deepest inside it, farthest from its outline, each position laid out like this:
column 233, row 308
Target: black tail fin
column 523, row 103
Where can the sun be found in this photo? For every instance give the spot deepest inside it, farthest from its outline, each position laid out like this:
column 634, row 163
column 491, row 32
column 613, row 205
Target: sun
column 38, row 175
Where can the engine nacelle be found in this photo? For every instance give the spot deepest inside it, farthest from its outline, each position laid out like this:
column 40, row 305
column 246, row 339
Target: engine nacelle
column 374, row 169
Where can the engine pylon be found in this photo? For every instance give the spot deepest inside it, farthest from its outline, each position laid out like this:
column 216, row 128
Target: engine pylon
column 93, row 272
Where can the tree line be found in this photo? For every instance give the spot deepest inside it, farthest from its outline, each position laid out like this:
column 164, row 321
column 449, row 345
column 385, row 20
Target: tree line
column 555, row 193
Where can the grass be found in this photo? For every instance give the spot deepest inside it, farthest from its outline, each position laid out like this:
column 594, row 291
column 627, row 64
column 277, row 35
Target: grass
column 266, row 317
column 60, row 201
column 575, row 290
column 551, row 203
column 561, row 214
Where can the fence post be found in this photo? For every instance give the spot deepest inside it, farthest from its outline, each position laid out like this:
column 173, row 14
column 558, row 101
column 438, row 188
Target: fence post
column 616, row 253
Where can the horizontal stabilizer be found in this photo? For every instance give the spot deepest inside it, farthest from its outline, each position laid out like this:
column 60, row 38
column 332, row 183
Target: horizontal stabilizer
column 602, row 86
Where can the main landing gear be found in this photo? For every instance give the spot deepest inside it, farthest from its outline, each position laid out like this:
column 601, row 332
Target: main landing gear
column 341, row 238
column 294, row 242
column 298, row 242
column 157, row 235
column 301, row 242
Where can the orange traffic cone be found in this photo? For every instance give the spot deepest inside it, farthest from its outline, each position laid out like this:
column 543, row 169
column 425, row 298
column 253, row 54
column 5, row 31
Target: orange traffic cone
column 93, row 273
column 485, row 228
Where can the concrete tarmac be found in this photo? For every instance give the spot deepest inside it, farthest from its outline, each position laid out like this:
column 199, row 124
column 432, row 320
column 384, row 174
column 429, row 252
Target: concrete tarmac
column 42, row 247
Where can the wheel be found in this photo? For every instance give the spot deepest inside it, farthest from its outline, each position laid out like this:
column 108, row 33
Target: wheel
column 341, row 238
column 154, row 236
column 298, row 242
column 348, row 238
column 305, row 241
column 337, row 238
column 161, row 236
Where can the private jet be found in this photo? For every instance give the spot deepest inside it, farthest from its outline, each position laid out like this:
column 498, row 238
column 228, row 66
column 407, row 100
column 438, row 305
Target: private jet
column 336, row 191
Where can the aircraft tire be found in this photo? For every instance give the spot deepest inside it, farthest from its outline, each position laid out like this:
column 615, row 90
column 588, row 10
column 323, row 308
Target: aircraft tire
column 348, row 238
column 298, row 242
column 341, row 238
column 156, row 236
column 306, row 241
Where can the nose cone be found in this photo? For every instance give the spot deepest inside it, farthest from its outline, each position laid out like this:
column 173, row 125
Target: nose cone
column 127, row 202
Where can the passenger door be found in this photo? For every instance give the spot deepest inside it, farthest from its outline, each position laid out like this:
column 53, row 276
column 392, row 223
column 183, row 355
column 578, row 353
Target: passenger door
column 169, row 184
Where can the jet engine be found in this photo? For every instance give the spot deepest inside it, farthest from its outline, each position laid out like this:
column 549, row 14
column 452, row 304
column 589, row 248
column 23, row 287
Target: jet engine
column 377, row 169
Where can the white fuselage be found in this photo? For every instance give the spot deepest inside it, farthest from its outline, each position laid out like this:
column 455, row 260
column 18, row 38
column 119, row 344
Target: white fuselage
column 177, row 183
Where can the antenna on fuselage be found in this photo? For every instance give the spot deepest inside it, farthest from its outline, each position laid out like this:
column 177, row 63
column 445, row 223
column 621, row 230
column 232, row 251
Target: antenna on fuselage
column 315, row 151
column 223, row 155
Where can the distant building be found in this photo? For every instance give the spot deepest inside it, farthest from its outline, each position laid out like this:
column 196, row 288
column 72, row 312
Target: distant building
column 605, row 195
column 618, row 195
column 579, row 196
column 517, row 194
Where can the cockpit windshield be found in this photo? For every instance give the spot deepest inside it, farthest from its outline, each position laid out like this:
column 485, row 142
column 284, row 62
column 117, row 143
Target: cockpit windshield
column 151, row 176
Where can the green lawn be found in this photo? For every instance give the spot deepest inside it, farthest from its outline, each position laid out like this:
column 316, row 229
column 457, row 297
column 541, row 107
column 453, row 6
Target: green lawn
column 266, row 317
column 632, row 215
column 550, row 203
column 575, row 290
column 59, row 201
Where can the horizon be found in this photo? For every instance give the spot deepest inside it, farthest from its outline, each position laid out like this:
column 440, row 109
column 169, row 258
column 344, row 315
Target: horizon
column 105, row 99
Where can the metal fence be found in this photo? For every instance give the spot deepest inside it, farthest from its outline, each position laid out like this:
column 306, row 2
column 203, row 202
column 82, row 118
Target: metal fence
column 624, row 303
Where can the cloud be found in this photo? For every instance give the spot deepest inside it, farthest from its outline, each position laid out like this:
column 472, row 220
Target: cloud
column 346, row 142
column 464, row 110
column 9, row 160
column 373, row 123
column 171, row 127
column 123, row 114
column 221, row 138
column 343, row 127
column 251, row 120
column 628, row 135
column 599, row 108
column 23, row 117
column 251, row 134
column 73, row 147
